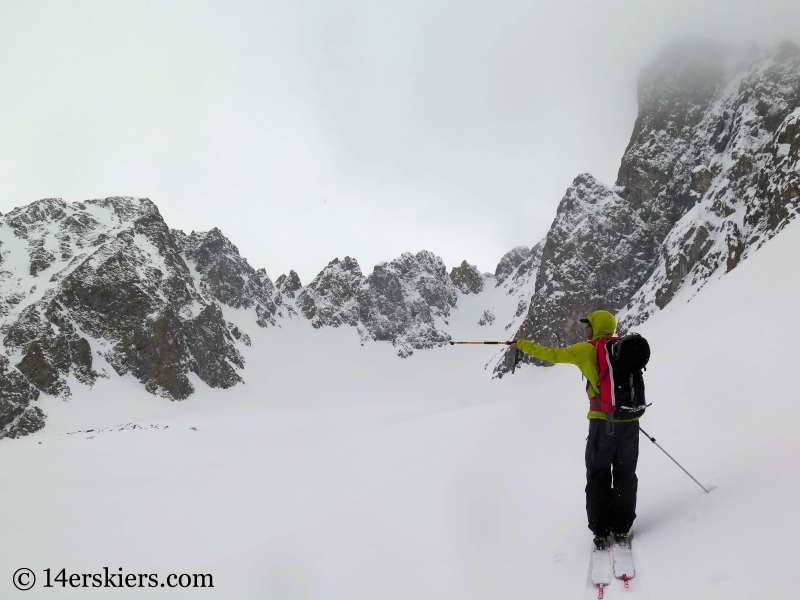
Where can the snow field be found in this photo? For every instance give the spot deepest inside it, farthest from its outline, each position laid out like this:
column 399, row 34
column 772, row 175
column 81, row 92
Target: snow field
column 341, row 471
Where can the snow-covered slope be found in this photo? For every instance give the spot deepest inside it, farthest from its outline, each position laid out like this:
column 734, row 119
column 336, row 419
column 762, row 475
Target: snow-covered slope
column 343, row 472
column 497, row 311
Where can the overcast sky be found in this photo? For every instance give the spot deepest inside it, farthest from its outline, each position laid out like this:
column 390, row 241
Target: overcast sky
column 314, row 129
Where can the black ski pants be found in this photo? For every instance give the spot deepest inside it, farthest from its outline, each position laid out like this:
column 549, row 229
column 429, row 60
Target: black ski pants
column 611, row 481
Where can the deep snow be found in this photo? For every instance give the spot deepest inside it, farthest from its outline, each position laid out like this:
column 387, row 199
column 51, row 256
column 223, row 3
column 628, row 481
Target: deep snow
column 340, row 471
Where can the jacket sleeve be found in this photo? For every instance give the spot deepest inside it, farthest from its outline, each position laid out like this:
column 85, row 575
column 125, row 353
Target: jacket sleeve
column 575, row 355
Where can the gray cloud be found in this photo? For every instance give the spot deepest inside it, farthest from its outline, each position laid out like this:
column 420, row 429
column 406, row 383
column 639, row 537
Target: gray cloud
column 313, row 129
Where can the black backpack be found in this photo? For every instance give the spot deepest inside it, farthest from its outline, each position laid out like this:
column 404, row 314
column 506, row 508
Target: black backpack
column 628, row 357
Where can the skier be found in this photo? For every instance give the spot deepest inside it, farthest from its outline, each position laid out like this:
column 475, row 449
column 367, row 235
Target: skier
column 611, row 454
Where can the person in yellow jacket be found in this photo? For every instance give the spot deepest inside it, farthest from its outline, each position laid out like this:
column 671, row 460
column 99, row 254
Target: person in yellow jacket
column 611, row 455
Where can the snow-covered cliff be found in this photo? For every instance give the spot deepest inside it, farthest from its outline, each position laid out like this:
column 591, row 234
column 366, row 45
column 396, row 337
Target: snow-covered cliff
column 710, row 174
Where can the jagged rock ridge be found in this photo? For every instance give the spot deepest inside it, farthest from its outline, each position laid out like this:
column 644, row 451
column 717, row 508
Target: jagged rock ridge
column 104, row 285
column 399, row 302
column 227, row 277
column 289, row 285
column 331, row 299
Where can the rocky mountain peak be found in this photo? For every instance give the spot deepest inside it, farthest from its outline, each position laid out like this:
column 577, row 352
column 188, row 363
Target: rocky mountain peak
column 467, row 278
column 226, row 276
column 510, row 261
column 101, row 285
column 289, row 285
column 597, row 253
column 400, row 301
column 331, row 299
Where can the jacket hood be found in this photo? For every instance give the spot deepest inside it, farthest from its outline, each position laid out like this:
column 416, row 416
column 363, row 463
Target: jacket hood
column 603, row 324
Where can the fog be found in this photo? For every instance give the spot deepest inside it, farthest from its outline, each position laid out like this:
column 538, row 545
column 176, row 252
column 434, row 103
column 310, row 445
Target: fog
column 310, row 129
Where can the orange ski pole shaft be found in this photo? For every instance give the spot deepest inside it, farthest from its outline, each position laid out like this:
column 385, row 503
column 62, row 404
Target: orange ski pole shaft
column 502, row 343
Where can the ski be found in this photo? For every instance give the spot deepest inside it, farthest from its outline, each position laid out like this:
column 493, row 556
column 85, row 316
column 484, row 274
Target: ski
column 601, row 568
column 622, row 557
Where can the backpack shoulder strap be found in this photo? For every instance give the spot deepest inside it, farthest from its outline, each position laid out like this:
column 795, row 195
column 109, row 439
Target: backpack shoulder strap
column 601, row 347
column 601, row 356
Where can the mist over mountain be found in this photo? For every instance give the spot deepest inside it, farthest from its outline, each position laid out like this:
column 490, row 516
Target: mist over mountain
column 709, row 175
column 105, row 288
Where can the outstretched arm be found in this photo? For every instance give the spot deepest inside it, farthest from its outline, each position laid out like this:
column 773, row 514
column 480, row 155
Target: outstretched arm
column 575, row 354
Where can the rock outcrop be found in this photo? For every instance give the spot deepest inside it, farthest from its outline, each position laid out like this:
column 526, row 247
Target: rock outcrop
column 226, row 276
column 467, row 278
column 18, row 414
column 401, row 300
column 487, row 318
column 518, row 270
column 516, row 273
column 289, row 285
column 331, row 299
column 510, row 262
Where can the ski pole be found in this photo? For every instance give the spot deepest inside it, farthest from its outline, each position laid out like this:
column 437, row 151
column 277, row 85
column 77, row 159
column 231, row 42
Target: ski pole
column 652, row 439
column 516, row 350
column 502, row 343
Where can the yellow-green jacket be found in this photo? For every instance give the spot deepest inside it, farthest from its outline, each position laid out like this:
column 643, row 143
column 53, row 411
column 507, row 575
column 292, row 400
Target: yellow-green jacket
column 582, row 354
